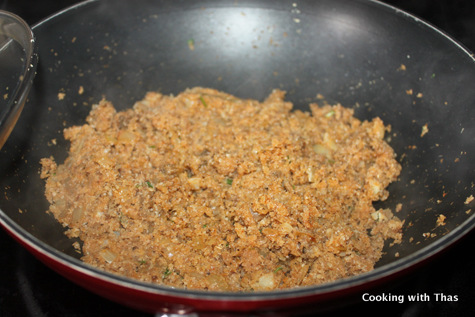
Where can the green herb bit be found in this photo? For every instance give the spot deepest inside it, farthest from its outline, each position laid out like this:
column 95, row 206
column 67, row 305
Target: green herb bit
column 166, row 272
column 330, row 113
column 205, row 225
column 142, row 262
column 278, row 269
column 149, row 184
column 191, row 44
column 229, row 181
column 203, row 102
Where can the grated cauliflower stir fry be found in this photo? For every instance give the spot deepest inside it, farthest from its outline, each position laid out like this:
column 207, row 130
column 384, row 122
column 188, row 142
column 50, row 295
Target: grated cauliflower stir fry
column 204, row 190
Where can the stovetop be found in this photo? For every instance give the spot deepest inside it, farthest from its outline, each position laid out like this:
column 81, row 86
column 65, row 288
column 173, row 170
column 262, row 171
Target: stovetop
column 28, row 288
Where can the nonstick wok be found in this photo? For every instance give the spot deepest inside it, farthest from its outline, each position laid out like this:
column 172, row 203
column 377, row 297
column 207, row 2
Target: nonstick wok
column 371, row 57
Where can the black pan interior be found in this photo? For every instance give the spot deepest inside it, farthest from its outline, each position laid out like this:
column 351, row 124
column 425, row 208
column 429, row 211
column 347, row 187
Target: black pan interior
column 362, row 54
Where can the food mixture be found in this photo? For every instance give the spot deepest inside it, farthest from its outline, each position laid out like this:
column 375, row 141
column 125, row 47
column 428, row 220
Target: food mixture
column 207, row 191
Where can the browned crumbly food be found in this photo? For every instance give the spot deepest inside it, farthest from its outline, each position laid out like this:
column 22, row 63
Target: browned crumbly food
column 208, row 191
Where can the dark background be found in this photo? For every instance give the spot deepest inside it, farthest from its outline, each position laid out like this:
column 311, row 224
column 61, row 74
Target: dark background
column 28, row 288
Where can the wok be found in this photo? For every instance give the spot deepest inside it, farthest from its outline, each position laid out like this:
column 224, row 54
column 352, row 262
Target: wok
column 352, row 52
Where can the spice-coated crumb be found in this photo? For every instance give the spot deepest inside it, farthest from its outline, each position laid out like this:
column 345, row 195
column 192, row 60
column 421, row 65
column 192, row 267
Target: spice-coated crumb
column 429, row 235
column 425, row 130
column 469, row 200
column 398, row 207
column 208, row 191
column 441, row 220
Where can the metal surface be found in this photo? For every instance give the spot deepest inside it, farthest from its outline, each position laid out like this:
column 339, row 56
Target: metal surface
column 352, row 52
